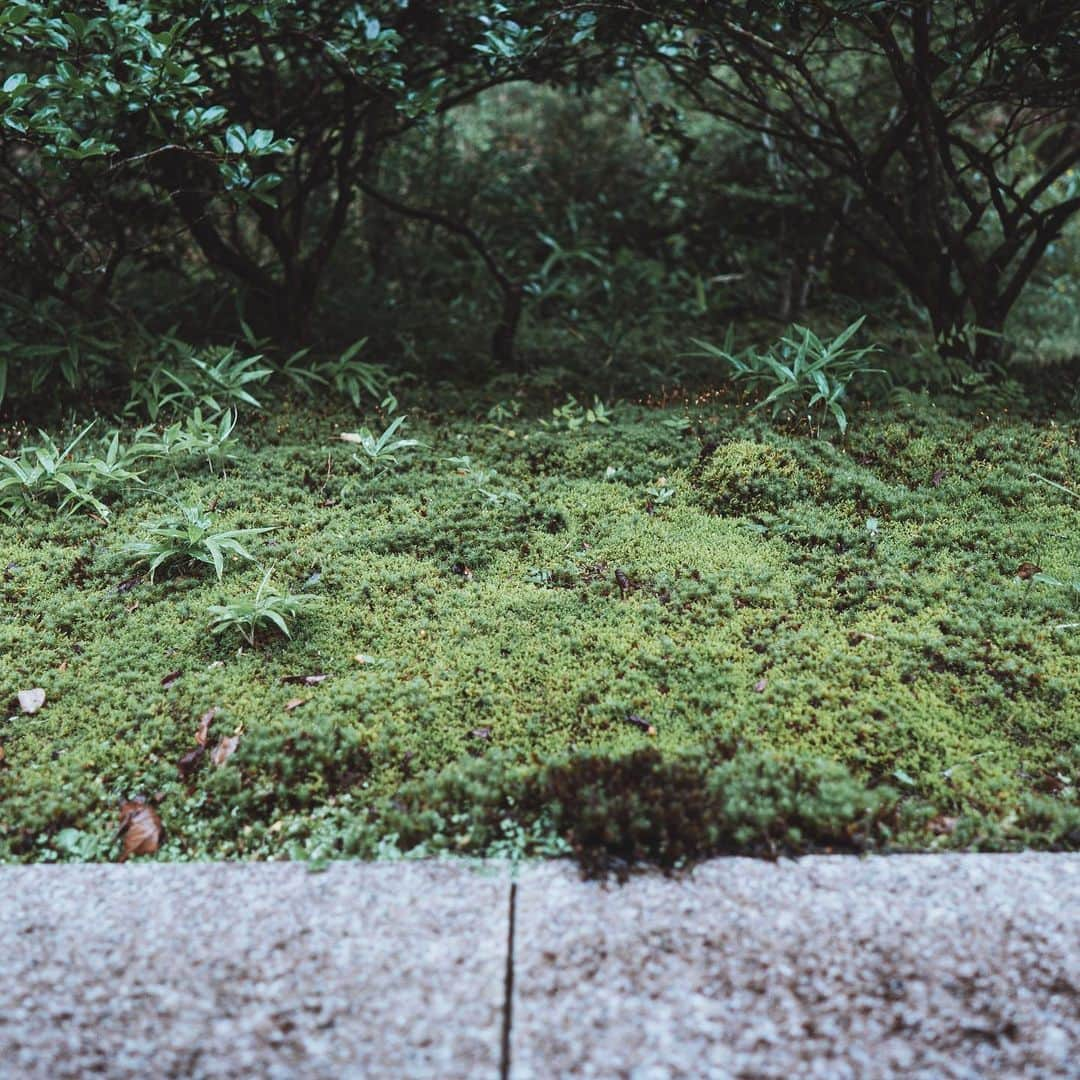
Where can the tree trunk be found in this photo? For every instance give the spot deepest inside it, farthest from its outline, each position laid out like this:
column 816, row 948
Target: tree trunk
column 946, row 311
column 503, row 353
column 991, row 348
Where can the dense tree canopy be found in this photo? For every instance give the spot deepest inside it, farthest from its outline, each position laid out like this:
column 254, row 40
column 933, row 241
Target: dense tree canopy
column 938, row 134
column 253, row 122
column 247, row 140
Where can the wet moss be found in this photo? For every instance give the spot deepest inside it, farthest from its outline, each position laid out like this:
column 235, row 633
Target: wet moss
column 492, row 636
column 742, row 477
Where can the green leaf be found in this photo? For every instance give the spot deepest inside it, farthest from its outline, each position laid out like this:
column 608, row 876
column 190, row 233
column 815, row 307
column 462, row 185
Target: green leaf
column 236, row 139
column 219, row 559
column 278, row 621
column 845, row 335
column 260, row 139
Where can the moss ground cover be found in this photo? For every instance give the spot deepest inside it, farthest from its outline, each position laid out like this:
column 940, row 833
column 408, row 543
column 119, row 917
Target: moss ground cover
column 670, row 631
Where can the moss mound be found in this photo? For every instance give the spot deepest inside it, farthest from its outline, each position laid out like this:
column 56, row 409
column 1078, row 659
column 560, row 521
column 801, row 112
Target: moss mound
column 748, row 478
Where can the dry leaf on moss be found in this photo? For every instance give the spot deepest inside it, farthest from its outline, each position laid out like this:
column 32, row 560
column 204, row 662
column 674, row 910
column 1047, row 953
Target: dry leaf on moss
column 202, row 733
column 225, row 749
column 141, row 828
column 190, row 762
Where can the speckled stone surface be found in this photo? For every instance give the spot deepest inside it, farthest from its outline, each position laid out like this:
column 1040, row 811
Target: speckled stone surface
column 151, row 971
column 907, row 966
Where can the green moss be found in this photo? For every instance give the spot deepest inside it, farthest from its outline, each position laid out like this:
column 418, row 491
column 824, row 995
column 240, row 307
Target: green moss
column 750, row 478
column 878, row 681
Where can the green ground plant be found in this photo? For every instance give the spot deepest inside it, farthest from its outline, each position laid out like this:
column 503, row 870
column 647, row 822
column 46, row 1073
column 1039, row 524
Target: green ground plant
column 180, row 380
column 270, row 608
column 210, row 438
column 45, row 472
column 800, row 372
column 1072, row 587
column 354, row 378
column 190, row 534
column 346, row 375
column 382, row 450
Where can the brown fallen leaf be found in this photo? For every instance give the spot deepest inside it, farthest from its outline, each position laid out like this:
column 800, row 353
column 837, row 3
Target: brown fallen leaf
column 1054, row 783
column 481, row 733
column 170, row 679
column 294, row 703
column 623, row 582
column 943, row 825
column 1027, row 570
column 190, row 762
column 225, row 749
column 141, row 828
column 759, row 686
column 305, row 680
column 351, row 437
column 939, row 475
column 31, row 700
column 202, row 733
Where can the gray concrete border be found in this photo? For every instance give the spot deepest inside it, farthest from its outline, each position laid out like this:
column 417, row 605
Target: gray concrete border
column 905, row 966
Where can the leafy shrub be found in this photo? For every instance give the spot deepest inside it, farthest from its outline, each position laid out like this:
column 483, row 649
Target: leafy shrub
column 800, row 372
column 47, row 472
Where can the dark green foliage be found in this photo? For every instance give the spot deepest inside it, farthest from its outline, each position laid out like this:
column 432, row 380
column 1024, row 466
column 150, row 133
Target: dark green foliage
column 480, row 185
column 891, row 136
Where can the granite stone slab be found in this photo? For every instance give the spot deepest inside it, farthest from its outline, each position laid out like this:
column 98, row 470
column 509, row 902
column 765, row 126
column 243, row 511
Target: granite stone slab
column 832, row 967
column 238, row 971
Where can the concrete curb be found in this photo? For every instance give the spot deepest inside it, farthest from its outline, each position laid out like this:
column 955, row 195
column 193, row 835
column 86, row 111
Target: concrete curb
column 930, row 966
